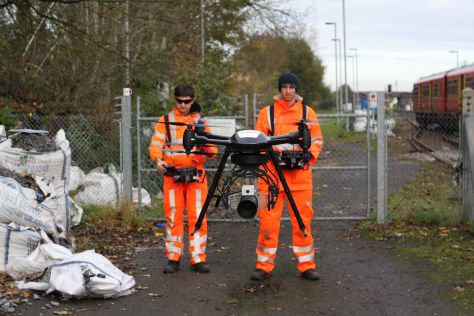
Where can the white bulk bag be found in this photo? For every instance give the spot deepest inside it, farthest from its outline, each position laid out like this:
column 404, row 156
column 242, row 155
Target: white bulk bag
column 55, row 165
column 18, row 204
column 77, row 176
column 16, row 241
column 89, row 274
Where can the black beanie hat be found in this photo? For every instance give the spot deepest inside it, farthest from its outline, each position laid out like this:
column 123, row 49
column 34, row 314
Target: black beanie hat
column 288, row 78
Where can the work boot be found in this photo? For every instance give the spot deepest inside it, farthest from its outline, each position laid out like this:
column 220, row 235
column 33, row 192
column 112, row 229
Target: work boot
column 171, row 267
column 310, row 274
column 201, row 267
column 260, row 275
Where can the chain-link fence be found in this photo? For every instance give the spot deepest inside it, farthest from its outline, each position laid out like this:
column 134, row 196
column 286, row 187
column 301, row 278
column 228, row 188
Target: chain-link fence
column 344, row 178
column 94, row 142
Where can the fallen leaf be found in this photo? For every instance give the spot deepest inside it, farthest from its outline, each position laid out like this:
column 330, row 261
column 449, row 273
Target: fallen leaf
column 64, row 312
column 458, row 289
column 155, row 294
column 469, row 282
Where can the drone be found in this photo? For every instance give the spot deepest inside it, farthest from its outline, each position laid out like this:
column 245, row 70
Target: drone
column 250, row 150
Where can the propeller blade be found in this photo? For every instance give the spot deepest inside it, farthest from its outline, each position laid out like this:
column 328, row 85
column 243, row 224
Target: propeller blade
column 297, row 122
column 190, row 124
column 197, row 152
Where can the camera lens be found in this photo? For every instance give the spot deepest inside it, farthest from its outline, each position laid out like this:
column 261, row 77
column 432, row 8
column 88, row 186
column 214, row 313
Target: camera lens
column 248, row 206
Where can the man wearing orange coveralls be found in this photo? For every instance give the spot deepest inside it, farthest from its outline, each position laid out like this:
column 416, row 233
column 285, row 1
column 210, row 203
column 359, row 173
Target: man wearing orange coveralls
column 287, row 111
column 184, row 181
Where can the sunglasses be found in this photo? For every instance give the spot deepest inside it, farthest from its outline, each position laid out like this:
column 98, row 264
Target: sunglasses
column 185, row 101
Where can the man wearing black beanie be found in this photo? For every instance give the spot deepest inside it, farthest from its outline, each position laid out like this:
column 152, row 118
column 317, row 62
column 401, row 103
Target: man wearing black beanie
column 280, row 119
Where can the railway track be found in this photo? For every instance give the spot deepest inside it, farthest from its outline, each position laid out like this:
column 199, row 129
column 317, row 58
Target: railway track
column 443, row 154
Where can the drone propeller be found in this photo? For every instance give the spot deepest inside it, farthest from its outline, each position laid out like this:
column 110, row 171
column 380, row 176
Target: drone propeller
column 307, row 122
column 196, row 152
column 190, row 124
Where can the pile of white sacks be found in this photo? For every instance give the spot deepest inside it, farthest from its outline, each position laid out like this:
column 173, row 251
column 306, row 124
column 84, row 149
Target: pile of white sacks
column 31, row 231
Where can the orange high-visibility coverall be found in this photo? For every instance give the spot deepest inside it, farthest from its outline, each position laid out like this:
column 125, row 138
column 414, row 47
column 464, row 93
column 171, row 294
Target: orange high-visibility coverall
column 178, row 196
column 299, row 181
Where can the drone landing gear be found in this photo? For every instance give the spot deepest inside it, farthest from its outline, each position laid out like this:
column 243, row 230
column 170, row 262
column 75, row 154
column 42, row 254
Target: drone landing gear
column 212, row 190
column 274, row 157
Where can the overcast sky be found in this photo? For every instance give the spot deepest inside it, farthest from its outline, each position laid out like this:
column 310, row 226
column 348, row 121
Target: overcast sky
column 397, row 41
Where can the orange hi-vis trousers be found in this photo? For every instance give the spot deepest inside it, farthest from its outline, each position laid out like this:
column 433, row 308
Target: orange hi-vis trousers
column 270, row 228
column 177, row 197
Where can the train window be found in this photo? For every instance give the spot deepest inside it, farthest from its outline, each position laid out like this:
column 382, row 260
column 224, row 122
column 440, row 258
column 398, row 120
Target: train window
column 470, row 82
column 435, row 89
column 426, row 91
column 415, row 91
column 452, row 87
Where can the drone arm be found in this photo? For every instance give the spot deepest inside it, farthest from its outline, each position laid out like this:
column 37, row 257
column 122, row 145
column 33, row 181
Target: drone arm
column 291, row 138
column 203, row 140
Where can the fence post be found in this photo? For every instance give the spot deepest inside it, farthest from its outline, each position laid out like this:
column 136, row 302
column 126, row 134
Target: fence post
column 127, row 142
column 467, row 149
column 246, row 100
column 254, row 107
column 139, row 162
column 381, row 161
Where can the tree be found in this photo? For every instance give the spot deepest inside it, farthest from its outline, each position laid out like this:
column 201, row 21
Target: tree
column 266, row 56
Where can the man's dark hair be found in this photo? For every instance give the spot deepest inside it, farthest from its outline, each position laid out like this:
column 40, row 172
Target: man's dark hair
column 183, row 90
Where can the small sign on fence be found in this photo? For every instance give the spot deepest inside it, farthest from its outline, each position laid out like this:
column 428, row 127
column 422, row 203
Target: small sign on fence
column 221, row 126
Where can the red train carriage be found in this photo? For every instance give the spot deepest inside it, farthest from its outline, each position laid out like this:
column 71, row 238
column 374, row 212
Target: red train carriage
column 437, row 98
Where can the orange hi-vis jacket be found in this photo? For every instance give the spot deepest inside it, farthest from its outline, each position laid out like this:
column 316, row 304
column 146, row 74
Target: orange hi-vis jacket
column 159, row 142
column 285, row 121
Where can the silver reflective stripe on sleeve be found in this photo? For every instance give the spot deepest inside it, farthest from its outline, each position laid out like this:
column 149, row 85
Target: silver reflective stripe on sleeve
column 160, row 135
column 270, row 251
column 156, row 144
column 269, row 119
column 173, row 153
column 306, row 258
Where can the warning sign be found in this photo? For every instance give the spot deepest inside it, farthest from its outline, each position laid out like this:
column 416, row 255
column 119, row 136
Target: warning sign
column 373, row 100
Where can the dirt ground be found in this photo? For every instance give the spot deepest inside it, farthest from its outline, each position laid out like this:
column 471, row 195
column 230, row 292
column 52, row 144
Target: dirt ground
column 358, row 277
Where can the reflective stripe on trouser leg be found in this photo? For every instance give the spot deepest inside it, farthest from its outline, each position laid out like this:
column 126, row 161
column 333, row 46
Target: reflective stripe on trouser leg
column 303, row 246
column 268, row 235
column 196, row 194
column 174, row 212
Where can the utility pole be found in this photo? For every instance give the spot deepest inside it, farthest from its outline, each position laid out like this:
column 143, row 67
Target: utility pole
column 202, row 31
column 345, row 53
column 127, row 44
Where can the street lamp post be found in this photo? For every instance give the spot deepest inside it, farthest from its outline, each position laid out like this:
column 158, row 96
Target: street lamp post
column 353, row 80
column 457, row 57
column 345, row 49
column 335, row 63
column 356, row 74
